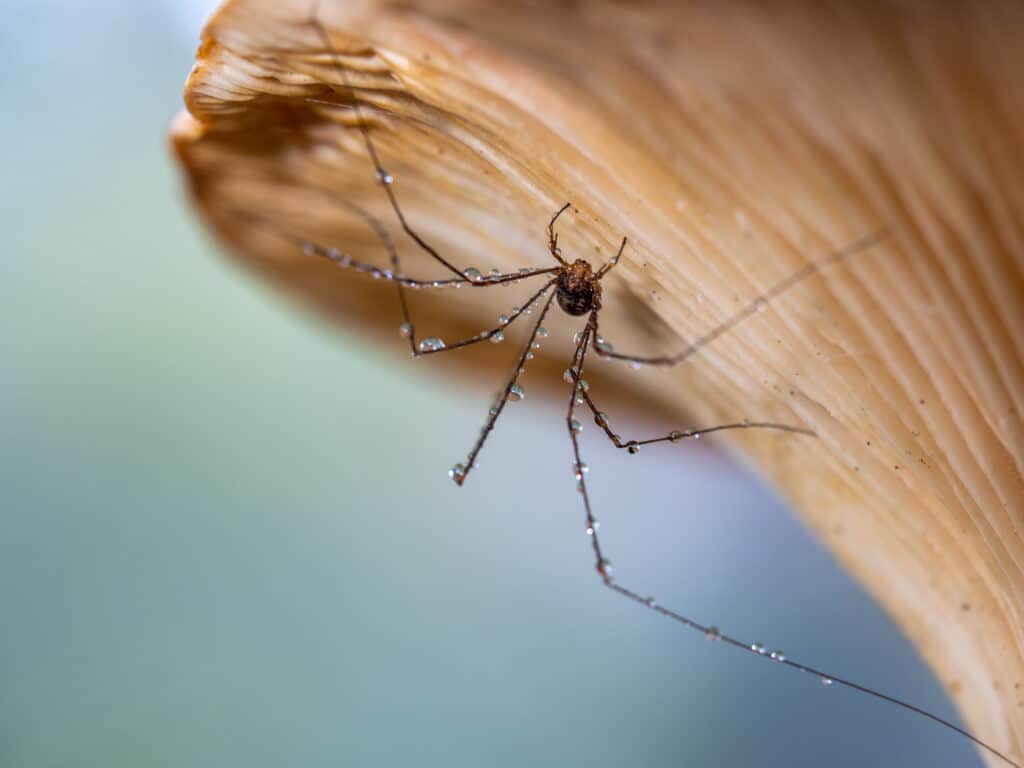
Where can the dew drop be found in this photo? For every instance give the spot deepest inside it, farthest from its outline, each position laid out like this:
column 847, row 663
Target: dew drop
column 606, row 566
column 542, row 332
column 515, row 393
column 650, row 602
column 535, row 345
column 405, row 330
column 713, row 634
column 634, row 364
column 826, row 681
column 497, row 337
column 493, row 410
column 603, row 346
column 431, row 344
column 473, row 274
column 601, row 419
column 529, row 355
column 758, row 648
column 502, row 319
column 495, row 272
column 516, row 310
column 778, row 655
column 575, row 426
column 584, row 386
column 579, row 470
column 457, row 473
column 385, row 177
column 567, row 376
column 675, row 436
column 577, row 337
column 633, row 447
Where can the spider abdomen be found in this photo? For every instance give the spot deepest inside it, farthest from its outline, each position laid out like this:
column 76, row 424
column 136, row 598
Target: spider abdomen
column 578, row 289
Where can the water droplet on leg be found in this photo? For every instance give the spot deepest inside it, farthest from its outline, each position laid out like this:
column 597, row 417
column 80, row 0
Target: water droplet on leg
column 431, row 344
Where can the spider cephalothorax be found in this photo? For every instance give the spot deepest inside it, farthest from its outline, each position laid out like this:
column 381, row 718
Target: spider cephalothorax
column 579, row 288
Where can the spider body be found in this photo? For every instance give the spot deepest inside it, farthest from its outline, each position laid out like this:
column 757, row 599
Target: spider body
column 578, row 288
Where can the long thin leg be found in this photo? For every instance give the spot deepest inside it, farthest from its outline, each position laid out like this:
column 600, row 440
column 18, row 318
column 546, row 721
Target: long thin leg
column 428, row 346
column 460, row 471
column 432, row 346
column 676, row 435
column 751, row 308
column 602, row 565
column 604, row 569
column 339, row 257
column 385, row 178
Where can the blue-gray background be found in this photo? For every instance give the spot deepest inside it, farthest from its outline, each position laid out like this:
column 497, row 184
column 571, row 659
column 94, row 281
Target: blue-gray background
column 227, row 538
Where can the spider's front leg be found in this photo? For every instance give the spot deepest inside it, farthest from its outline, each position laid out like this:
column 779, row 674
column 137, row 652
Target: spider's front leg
column 757, row 304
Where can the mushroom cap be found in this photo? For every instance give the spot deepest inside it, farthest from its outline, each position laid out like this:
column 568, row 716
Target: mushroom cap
column 732, row 144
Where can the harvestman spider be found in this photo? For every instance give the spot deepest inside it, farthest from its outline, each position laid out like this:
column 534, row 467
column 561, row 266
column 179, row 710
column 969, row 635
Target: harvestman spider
column 577, row 288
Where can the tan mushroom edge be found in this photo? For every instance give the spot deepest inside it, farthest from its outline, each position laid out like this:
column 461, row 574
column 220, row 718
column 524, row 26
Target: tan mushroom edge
column 731, row 145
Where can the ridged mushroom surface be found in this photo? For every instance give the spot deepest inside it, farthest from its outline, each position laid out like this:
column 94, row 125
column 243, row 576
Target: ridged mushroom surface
column 732, row 143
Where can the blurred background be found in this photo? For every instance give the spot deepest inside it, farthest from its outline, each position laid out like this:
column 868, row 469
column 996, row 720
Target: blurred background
column 227, row 536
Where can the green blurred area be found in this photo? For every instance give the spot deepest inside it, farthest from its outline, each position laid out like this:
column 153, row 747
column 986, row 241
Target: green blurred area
column 227, row 537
